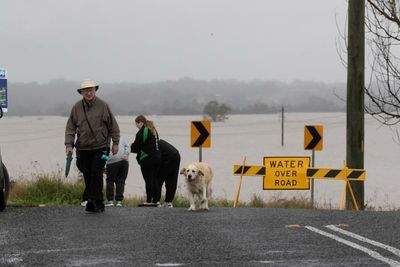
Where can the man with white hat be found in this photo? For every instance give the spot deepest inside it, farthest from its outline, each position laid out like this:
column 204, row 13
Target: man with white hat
column 92, row 118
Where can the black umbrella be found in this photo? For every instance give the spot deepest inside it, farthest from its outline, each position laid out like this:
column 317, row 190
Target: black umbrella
column 68, row 163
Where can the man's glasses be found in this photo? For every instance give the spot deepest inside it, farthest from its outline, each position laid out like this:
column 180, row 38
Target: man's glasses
column 87, row 90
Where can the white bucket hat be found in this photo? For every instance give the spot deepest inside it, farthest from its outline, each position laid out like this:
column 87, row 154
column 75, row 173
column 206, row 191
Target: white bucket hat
column 87, row 84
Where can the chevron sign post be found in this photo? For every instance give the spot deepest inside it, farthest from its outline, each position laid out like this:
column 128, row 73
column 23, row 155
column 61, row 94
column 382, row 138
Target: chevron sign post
column 313, row 137
column 200, row 135
column 313, row 141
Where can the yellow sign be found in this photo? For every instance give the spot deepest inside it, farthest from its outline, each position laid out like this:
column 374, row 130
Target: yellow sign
column 313, row 137
column 248, row 170
column 200, row 134
column 286, row 173
column 341, row 174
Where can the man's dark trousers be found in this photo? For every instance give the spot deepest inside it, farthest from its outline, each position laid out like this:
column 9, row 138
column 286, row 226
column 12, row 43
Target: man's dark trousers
column 92, row 167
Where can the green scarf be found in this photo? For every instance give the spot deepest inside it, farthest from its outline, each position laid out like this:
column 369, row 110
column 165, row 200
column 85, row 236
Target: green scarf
column 145, row 136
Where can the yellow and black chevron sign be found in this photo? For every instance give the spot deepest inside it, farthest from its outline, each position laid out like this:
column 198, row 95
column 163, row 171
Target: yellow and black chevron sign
column 341, row 174
column 248, row 170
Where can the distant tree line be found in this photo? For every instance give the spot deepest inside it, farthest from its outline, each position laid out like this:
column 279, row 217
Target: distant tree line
column 181, row 97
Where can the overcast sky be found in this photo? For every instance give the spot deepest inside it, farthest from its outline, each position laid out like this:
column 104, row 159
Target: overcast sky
column 149, row 40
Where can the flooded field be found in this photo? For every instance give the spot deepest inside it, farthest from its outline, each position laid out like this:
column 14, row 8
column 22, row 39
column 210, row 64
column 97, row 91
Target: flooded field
column 31, row 145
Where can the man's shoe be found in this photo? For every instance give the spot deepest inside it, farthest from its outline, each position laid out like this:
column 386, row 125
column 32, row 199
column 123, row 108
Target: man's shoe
column 119, row 204
column 109, row 203
column 83, row 203
column 90, row 207
column 99, row 206
column 169, row 205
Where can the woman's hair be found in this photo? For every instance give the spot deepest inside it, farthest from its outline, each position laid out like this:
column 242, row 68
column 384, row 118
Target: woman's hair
column 141, row 118
column 147, row 123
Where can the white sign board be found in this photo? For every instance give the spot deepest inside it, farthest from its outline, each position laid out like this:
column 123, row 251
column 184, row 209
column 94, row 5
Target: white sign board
column 3, row 90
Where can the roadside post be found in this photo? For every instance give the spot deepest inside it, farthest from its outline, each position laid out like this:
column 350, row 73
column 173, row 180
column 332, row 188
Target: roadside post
column 200, row 135
column 313, row 140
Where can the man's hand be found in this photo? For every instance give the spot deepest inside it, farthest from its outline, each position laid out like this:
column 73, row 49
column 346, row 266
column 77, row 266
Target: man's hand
column 114, row 149
column 68, row 149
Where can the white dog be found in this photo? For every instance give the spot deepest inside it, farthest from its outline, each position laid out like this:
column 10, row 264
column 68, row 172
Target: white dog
column 198, row 180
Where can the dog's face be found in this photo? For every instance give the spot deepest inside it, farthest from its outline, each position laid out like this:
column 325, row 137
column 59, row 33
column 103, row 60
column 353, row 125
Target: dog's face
column 191, row 172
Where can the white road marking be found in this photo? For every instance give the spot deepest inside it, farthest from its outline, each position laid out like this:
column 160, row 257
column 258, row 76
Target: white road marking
column 394, row 250
column 370, row 252
column 169, row 264
column 18, row 257
column 46, row 251
column 10, row 260
column 91, row 262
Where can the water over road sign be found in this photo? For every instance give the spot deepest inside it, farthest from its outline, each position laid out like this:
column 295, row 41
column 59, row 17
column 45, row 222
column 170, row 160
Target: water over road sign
column 286, row 173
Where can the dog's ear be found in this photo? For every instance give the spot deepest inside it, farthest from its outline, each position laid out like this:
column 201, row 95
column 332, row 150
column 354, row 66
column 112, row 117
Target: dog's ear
column 183, row 171
column 201, row 173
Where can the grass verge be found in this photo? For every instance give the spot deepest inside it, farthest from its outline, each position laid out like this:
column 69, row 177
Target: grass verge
column 55, row 190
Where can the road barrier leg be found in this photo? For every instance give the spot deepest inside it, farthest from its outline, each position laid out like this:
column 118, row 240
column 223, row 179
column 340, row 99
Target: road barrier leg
column 352, row 195
column 236, row 201
column 343, row 196
column 344, row 189
column 348, row 184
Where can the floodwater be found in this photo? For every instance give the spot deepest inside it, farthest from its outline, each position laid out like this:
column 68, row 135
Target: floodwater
column 31, row 145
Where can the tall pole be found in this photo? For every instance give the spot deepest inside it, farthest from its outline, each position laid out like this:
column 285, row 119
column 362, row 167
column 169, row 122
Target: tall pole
column 200, row 154
column 355, row 98
column 283, row 124
column 312, row 180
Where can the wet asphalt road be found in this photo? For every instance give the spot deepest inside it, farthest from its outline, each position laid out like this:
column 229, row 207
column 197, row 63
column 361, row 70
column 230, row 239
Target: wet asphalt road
column 68, row 236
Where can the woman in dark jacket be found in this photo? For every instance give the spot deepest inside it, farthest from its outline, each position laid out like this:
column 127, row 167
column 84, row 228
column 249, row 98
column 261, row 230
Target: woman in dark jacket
column 169, row 170
column 149, row 158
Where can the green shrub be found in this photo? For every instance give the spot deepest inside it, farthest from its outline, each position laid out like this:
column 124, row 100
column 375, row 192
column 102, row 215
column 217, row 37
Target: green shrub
column 46, row 190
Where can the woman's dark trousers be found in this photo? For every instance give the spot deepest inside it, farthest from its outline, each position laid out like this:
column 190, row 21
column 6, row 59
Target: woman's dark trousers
column 150, row 174
column 168, row 173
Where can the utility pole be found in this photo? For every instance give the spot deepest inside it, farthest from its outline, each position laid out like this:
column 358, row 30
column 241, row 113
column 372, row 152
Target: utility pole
column 355, row 98
column 283, row 127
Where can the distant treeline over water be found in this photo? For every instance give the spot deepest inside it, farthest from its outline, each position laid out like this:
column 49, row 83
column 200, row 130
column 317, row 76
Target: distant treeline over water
column 180, row 97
